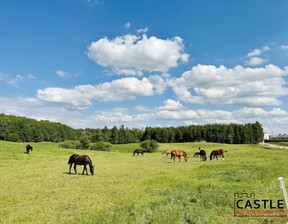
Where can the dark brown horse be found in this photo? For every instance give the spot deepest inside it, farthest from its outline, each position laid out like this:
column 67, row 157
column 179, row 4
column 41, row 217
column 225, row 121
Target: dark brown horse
column 216, row 153
column 138, row 151
column 178, row 153
column 81, row 160
column 167, row 152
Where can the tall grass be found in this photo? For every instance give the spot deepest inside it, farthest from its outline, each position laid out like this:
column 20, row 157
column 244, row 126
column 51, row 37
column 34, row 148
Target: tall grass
column 36, row 187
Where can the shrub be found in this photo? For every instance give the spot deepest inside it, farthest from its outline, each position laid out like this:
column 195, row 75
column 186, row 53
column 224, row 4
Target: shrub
column 101, row 146
column 150, row 145
column 70, row 144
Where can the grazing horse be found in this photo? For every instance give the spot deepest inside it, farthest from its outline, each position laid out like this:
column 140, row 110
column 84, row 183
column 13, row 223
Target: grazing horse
column 81, row 160
column 216, row 153
column 197, row 154
column 167, row 152
column 178, row 153
column 203, row 155
column 28, row 148
column 138, row 151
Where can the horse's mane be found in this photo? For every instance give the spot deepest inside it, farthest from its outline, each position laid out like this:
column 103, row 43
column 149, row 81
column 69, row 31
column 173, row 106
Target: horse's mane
column 71, row 157
column 90, row 161
column 185, row 153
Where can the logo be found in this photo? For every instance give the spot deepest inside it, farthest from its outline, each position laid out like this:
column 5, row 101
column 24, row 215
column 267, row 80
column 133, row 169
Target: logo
column 247, row 205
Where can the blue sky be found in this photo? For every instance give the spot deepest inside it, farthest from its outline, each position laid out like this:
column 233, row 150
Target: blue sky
column 96, row 63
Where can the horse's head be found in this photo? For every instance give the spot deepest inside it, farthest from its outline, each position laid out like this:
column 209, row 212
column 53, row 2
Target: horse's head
column 92, row 170
column 186, row 158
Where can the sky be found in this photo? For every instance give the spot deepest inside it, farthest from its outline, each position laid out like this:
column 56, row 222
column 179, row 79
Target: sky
column 97, row 63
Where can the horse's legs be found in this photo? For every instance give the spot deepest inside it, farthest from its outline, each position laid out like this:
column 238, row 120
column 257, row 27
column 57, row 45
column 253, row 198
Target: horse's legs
column 75, row 168
column 85, row 168
column 222, row 157
column 179, row 159
column 70, row 168
column 142, row 153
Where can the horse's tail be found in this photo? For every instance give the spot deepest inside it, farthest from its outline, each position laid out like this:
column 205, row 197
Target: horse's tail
column 163, row 152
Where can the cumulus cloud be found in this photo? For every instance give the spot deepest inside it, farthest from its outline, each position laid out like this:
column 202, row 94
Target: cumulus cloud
column 171, row 105
column 258, row 52
column 138, row 53
column 253, row 87
column 258, row 112
column 284, row 47
column 254, row 61
column 80, row 97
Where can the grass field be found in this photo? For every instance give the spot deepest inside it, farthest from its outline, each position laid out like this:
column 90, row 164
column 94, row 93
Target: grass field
column 36, row 187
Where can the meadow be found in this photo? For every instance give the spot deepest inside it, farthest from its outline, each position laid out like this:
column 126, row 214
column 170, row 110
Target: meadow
column 36, row 187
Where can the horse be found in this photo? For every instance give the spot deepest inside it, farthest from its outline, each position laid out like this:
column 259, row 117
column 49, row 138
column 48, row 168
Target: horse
column 167, row 152
column 216, row 153
column 178, row 153
column 81, row 160
column 28, row 148
column 203, row 155
column 138, row 151
column 197, row 154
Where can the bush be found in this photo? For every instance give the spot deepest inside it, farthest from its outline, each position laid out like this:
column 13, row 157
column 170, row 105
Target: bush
column 101, row 146
column 70, row 144
column 150, row 145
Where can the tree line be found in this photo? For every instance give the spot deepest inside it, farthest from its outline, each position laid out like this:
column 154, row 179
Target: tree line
column 14, row 128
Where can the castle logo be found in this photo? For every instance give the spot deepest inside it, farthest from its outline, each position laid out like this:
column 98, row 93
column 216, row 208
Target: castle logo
column 246, row 204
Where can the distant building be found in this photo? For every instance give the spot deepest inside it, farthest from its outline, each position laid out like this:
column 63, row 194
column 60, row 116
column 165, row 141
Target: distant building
column 278, row 138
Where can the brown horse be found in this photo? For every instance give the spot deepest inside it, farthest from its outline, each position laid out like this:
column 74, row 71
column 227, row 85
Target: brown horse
column 81, row 160
column 216, row 153
column 178, row 153
column 138, row 151
column 167, row 152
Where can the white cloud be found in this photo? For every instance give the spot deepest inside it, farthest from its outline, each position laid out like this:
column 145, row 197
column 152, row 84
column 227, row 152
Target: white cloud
column 138, row 53
column 15, row 81
column 258, row 113
column 258, row 52
column 70, row 99
column 144, row 30
column 158, row 83
column 238, row 86
column 284, row 47
column 254, row 61
column 127, row 25
column 171, row 105
column 92, row 3
column 64, row 74
column 31, row 76
column 80, row 97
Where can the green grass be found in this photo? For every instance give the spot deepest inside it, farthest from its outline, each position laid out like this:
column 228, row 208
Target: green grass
column 37, row 188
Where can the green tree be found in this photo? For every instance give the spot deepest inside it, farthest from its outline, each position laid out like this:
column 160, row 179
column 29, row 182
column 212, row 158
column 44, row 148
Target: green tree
column 149, row 145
